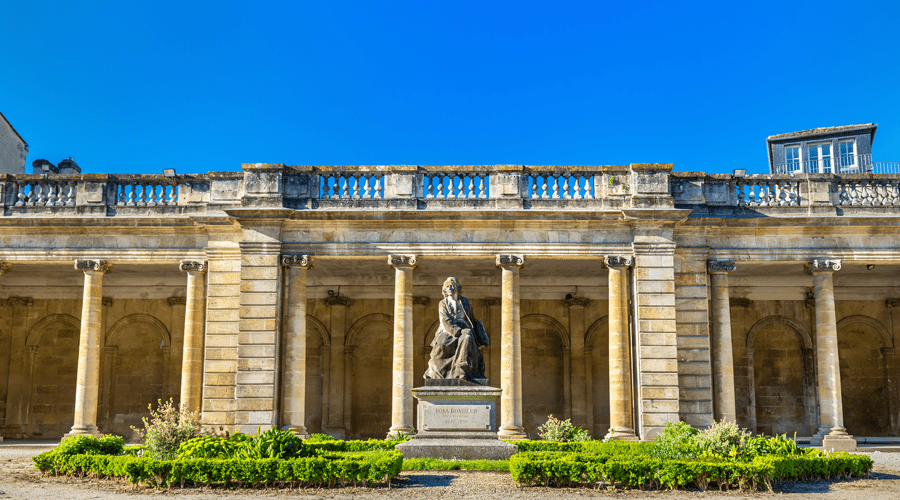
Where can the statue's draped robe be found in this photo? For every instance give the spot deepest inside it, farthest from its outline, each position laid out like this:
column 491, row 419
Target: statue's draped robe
column 454, row 350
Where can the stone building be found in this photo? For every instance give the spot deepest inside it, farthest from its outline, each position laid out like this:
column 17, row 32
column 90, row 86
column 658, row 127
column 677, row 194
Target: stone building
column 12, row 149
column 306, row 297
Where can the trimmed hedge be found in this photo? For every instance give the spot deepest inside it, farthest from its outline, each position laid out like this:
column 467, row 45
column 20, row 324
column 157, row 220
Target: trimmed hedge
column 440, row 464
column 349, row 446
column 612, row 447
column 323, row 470
column 573, row 469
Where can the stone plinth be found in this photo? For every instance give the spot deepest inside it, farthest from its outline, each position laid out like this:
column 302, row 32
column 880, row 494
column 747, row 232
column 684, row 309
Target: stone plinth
column 457, row 420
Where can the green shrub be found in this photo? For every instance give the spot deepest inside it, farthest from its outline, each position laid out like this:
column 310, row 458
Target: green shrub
column 274, row 443
column 440, row 464
column 562, row 431
column 674, row 442
column 724, row 439
column 626, row 448
column 207, row 447
column 166, row 429
column 90, row 445
column 348, row 446
column 318, row 438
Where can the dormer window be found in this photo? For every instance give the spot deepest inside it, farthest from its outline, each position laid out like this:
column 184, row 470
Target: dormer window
column 792, row 159
column 848, row 156
column 820, row 158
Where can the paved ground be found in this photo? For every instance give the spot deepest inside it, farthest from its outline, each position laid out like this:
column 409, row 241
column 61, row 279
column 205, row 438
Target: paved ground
column 18, row 479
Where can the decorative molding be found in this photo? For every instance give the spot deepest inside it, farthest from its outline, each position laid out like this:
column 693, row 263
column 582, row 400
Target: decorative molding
column 302, row 261
column 93, row 265
column 421, row 301
column 192, row 266
column 576, row 302
column 618, row 261
column 106, row 301
column 810, row 298
column 822, row 266
column 720, row 266
column 177, row 301
column 403, row 260
column 5, row 267
column 510, row 260
column 337, row 301
column 20, row 301
column 738, row 302
column 491, row 301
column 890, row 303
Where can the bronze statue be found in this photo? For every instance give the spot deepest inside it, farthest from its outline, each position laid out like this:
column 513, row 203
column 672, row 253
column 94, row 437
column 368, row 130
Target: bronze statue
column 456, row 348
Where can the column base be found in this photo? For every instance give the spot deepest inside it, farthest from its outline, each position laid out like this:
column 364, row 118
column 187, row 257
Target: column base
column 512, row 433
column 298, row 430
column 621, row 434
column 394, row 432
column 839, row 443
column 83, row 430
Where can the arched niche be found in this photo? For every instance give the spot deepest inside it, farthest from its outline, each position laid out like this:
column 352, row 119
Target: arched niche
column 50, row 372
column 545, row 370
column 369, row 354
column 866, row 356
column 596, row 345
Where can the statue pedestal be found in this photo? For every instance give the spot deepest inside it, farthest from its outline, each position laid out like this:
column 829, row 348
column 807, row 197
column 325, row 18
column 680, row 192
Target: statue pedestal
column 457, row 420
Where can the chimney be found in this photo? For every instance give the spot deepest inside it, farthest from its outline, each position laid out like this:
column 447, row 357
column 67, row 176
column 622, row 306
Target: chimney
column 68, row 166
column 43, row 167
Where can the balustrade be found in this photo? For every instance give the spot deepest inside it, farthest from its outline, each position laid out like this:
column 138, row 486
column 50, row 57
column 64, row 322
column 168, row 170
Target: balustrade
column 146, row 193
column 768, row 192
column 455, row 185
column 561, row 186
column 351, row 185
column 45, row 193
column 869, row 192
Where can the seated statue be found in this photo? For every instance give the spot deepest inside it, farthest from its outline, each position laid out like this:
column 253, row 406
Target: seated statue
column 456, row 348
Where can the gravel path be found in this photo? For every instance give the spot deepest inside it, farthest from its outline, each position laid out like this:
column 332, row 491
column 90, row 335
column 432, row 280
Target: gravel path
column 18, row 479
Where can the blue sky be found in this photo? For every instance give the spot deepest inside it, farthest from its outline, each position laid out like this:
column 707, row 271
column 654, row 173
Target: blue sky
column 133, row 87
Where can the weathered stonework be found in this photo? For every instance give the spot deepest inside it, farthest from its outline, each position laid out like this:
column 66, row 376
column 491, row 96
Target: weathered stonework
column 621, row 297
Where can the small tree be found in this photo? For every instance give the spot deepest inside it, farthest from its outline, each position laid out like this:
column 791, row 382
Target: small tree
column 561, row 431
column 167, row 428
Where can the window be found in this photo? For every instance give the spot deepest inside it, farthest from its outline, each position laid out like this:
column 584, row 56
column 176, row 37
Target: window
column 848, row 156
column 820, row 158
column 792, row 160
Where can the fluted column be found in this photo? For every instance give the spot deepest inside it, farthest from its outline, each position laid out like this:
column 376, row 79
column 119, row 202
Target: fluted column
column 401, row 389
column 192, row 357
column 621, row 421
column 832, row 434
column 88, row 378
column 294, row 410
column 510, row 349
column 723, row 357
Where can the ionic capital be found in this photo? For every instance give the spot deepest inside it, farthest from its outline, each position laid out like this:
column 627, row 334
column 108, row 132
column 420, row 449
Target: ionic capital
column 192, row 266
column 889, row 303
column 89, row 266
column 20, row 301
column 510, row 260
column 337, row 301
column 5, row 267
column 618, row 261
column 421, row 301
column 491, row 301
column 720, row 266
column 576, row 302
column 106, row 301
column 822, row 266
column 301, row 261
column 403, row 261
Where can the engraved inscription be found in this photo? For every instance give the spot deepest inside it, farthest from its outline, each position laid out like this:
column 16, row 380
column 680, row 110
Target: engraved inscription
column 457, row 417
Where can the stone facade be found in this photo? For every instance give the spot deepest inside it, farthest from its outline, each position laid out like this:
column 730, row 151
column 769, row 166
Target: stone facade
column 622, row 297
column 12, row 149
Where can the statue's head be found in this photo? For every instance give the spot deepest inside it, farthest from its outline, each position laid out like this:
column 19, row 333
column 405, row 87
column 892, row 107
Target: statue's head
column 451, row 282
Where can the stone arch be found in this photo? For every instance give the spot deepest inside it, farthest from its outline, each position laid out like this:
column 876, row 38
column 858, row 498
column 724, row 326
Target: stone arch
column 801, row 330
column 320, row 328
column 556, row 326
column 769, row 406
column 122, row 324
column 601, row 326
column 883, row 336
column 37, row 331
column 362, row 323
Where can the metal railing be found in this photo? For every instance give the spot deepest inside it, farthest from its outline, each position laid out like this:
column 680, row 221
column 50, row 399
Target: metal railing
column 853, row 164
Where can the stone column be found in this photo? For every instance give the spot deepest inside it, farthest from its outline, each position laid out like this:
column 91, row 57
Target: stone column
column 832, row 435
column 192, row 357
column 337, row 409
column 621, row 421
column 723, row 358
column 294, row 410
column 401, row 388
column 511, row 349
column 577, row 359
column 88, row 378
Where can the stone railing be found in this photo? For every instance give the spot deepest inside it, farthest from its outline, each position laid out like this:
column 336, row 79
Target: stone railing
column 786, row 194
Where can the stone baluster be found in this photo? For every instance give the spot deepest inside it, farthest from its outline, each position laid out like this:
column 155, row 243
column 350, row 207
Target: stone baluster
column 88, row 375
column 192, row 358
column 620, row 397
column 401, row 389
column 832, row 435
column 723, row 357
column 511, row 349
column 294, row 412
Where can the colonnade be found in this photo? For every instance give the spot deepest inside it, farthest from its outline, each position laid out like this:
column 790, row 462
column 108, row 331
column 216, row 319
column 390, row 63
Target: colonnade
column 831, row 434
